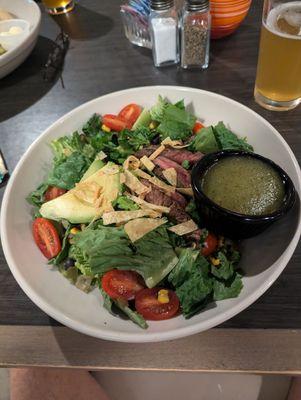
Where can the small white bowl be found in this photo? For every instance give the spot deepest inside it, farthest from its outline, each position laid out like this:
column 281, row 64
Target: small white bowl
column 10, row 41
column 29, row 11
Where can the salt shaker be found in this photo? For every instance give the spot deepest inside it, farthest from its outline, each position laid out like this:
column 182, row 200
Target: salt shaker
column 163, row 26
column 195, row 29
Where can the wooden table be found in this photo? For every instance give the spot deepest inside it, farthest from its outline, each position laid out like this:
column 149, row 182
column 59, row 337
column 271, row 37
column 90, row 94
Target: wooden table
column 266, row 337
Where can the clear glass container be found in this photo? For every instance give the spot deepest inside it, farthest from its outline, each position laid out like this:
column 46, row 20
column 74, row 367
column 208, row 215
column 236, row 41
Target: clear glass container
column 164, row 32
column 136, row 28
column 195, row 34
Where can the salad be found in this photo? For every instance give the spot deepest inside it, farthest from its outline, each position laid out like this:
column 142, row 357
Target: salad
column 116, row 213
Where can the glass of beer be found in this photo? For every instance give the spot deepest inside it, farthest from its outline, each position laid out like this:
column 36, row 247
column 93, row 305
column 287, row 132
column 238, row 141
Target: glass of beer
column 278, row 80
column 55, row 7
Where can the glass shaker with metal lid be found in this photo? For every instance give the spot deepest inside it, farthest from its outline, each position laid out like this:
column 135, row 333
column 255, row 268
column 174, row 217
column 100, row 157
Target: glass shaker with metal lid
column 196, row 25
column 163, row 25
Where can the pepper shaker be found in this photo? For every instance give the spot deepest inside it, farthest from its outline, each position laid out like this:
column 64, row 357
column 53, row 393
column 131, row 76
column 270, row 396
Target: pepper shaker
column 163, row 26
column 195, row 27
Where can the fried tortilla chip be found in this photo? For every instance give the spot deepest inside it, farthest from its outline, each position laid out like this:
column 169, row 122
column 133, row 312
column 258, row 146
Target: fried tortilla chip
column 188, row 191
column 147, row 163
column 155, row 181
column 131, row 163
column 176, row 144
column 170, row 174
column 145, row 205
column 139, row 227
column 157, row 152
column 133, row 183
column 184, row 228
column 116, row 217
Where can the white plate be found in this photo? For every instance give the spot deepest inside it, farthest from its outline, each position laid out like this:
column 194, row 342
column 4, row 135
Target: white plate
column 29, row 11
column 264, row 256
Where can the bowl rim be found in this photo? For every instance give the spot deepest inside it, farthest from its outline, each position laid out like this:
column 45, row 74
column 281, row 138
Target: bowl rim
column 141, row 337
column 290, row 191
column 25, row 44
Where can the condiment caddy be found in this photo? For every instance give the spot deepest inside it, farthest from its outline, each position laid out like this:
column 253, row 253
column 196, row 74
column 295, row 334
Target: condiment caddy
column 178, row 33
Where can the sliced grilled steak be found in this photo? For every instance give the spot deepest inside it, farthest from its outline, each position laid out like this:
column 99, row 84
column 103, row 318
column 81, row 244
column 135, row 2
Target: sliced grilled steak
column 180, row 155
column 183, row 176
column 177, row 155
column 155, row 196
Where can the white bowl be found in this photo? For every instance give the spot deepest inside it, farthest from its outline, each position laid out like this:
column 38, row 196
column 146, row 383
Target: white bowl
column 29, row 11
column 264, row 257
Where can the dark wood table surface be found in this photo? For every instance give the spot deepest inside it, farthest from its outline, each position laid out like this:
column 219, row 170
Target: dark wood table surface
column 100, row 60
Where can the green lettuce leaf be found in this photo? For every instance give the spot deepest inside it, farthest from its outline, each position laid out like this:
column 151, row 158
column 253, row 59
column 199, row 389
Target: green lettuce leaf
column 228, row 140
column 184, row 268
column 204, row 141
column 157, row 111
column 36, row 198
column 176, row 123
column 133, row 315
column 124, row 203
column 225, row 270
column 65, row 249
column 93, row 126
column 225, row 290
column 105, row 248
column 66, row 174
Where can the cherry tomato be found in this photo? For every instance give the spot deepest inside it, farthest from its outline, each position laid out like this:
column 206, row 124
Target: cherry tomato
column 209, row 245
column 53, row 192
column 46, row 237
column 147, row 304
column 122, row 284
column 130, row 113
column 115, row 123
column 197, row 126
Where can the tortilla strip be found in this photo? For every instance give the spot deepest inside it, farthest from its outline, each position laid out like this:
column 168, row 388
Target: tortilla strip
column 131, row 163
column 88, row 192
column 147, row 163
column 184, row 228
column 155, row 181
column 188, row 191
column 132, row 182
column 157, row 152
column 101, row 156
column 139, row 227
column 170, row 175
column 115, row 217
column 176, row 144
column 145, row 205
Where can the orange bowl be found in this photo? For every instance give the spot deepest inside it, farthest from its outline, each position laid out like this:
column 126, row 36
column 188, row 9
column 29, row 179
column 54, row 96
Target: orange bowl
column 227, row 15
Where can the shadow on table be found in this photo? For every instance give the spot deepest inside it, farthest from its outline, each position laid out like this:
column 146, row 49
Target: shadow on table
column 261, row 252
column 25, row 86
column 84, row 24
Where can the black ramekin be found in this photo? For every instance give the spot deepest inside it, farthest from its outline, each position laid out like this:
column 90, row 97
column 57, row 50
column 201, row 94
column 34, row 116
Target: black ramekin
column 229, row 223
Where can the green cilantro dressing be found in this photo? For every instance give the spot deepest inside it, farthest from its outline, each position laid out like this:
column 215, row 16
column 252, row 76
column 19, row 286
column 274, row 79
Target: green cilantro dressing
column 245, row 185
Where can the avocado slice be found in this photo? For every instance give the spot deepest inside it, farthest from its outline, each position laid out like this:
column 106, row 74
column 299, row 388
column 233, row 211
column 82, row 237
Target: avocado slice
column 88, row 200
column 95, row 166
column 144, row 119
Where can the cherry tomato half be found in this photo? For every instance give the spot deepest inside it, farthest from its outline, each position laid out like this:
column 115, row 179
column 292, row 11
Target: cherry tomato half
column 209, row 245
column 46, row 237
column 122, row 284
column 115, row 123
column 147, row 304
column 130, row 113
column 53, row 192
column 197, row 126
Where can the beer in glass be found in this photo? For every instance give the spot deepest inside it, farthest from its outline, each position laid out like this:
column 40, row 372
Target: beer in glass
column 278, row 81
column 58, row 6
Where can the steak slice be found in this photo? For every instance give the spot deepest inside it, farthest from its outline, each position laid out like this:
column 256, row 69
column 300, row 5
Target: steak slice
column 177, row 155
column 183, row 176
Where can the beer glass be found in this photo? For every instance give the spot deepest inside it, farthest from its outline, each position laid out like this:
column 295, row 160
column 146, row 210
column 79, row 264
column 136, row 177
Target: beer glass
column 58, row 6
column 278, row 80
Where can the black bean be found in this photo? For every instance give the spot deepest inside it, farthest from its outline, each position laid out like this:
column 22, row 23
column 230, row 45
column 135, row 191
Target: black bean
column 69, row 263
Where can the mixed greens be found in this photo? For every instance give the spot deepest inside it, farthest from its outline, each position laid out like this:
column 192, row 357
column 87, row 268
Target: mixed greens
column 116, row 212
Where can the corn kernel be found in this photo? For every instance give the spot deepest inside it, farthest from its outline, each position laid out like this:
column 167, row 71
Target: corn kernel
column 215, row 261
column 152, row 125
column 163, row 296
column 105, row 128
column 74, row 231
